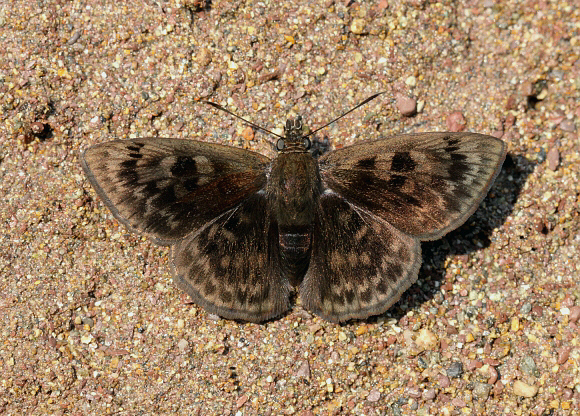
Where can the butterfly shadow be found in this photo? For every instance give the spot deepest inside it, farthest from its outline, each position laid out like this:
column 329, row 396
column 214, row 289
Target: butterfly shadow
column 472, row 236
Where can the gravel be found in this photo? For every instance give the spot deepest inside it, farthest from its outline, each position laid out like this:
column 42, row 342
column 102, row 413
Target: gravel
column 90, row 321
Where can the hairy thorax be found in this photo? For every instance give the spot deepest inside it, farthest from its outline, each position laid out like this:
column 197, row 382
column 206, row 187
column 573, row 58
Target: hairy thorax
column 294, row 189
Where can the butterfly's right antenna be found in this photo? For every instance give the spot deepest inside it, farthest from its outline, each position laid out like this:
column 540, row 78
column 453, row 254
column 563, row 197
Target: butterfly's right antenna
column 372, row 97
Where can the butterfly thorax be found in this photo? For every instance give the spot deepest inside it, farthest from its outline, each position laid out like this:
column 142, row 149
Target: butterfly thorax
column 294, row 189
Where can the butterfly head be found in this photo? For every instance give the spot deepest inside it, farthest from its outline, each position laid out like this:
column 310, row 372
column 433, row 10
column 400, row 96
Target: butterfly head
column 294, row 140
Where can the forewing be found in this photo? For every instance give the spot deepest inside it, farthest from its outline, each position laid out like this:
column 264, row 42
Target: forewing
column 424, row 184
column 231, row 266
column 360, row 264
column 166, row 188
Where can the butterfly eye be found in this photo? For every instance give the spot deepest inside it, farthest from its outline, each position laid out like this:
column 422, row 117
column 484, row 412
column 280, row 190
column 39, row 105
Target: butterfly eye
column 306, row 143
column 280, row 144
column 298, row 123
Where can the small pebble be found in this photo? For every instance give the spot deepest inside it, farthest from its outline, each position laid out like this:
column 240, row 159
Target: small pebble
column 526, row 308
column 357, row 26
column 37, row 128
column 374, row 395
column 528, row 366
column 568, row 125
column 455, row 370
column 524, row 390
column 567, row 394
column 563, row 354
column 444, row 381
column 455, row 122
column 182, row 345
column 241, row 401
column 493, row 375
column 407, row 106
column 303, row 370
column 481, row 390
column 87, row 339
column 413, row 392
column 553, row 158
column 429, row 394
column 248, row 133
column 427, row 340
column 574, row 314
column 411, row 81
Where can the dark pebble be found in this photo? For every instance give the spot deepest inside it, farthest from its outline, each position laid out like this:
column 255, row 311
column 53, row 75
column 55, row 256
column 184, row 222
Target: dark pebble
column 455, row 370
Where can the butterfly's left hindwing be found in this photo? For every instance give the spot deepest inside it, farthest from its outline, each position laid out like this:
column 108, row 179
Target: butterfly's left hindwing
column 167, row 188
column 231, row 266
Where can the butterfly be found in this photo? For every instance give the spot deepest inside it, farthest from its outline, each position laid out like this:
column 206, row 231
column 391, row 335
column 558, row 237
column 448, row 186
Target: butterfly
column 343, row 231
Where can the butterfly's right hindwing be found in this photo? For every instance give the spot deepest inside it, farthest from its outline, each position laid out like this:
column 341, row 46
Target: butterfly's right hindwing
column 360, row 264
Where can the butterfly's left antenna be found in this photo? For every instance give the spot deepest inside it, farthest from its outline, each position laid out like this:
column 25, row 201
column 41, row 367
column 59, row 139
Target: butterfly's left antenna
column 219, row 107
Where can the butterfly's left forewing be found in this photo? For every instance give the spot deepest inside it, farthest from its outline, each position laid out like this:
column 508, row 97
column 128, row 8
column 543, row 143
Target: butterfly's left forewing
column 167, row 188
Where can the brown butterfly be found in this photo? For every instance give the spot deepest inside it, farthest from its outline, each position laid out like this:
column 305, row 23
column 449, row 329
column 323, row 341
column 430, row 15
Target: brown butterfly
column 344, row 229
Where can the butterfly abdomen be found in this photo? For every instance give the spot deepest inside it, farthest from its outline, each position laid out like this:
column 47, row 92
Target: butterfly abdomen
column 295, row 246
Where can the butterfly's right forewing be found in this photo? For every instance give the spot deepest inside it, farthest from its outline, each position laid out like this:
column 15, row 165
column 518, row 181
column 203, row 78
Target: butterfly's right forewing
column 424, row 184
column 167, row 188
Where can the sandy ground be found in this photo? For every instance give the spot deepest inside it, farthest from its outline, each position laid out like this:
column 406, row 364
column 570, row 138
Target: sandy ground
column 90, row 321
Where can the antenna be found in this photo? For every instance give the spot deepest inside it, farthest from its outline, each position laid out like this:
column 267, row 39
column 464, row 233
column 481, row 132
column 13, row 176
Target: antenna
column 372, row 97
column 219, row 107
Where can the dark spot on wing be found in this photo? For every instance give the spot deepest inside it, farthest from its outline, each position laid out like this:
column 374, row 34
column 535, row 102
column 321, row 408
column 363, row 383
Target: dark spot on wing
column 232, row 223
column 411, row 200
column 136, row 147
column 458, row 156
column 367, row 295
column 166, row 196
column 451, row 141
column 129, row 164
column 128, row 171
column 403, row 162
column 190, row 184
column 184, row 165
column 226, row 296
column 396, row 182
column 350, row 295
column 339, row 299
column 368, row 163
column 396, row 271
column 241, row 296
column 458, row 170
column 135, row 155
column 209, row 288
